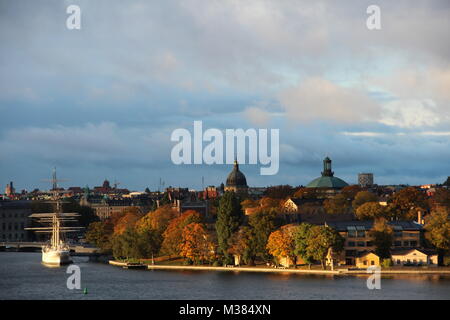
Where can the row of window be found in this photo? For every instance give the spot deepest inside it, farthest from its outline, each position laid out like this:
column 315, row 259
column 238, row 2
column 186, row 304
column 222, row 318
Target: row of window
column 352, row 244
column 13, row 236
column 10, row 226
column 15, row 215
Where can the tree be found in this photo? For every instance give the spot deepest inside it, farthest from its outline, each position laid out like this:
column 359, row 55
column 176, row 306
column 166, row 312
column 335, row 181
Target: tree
column 321, row 240
column 263, row 223
column 128, row 220
column 196, row 244
column 441, row 198
column 406, row 203
column 363, row 197
column 229, row 217
column 157, row 220
column 437, row 230
column 370, row 211
column 267, row 203
column 382, row 237
column 172, row 235
column 281, row 243
column 242, row 244
column 350, row 192
column 338, row 204
column 99, row 234
column 279, row 192
column 301, row 237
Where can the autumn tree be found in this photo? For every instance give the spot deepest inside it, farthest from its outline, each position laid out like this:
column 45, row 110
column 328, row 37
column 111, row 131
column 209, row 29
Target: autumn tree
column 281, row 243
column 263, row 223
column 382, row 237
column 100, row 234
column 157, row 220
column 229, row 217
column 437, row 230
column 338, row 204
column 370, row 211
column 173, row 234
column 196, row 244
column 441, row 198
column 301, row 237
column 405, row 203
column 321, row 240
column 128, row 220
column 363, row 197
column 279, row 192
column 242, row 244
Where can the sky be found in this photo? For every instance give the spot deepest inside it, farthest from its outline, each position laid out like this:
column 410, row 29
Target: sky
column 102, row 102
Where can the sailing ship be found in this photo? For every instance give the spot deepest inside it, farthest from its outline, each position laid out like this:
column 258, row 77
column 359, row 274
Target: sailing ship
column 56, row 252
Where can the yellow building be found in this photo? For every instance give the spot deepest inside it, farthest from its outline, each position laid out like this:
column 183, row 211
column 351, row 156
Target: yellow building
column 367, row 259
column 407, row 235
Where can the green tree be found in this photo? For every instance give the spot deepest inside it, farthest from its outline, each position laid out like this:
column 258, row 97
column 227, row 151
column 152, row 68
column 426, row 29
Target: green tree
column 321, row 240
column 382, row 237
column 99, row 234
column 363, row 197
column 437, row 231
column 243, row 244
column 301, row 243
column 229, row 217
column 370, row 211
column 263, row 223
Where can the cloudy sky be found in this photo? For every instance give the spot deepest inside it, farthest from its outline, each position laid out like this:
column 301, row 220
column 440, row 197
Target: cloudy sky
column 102, row 102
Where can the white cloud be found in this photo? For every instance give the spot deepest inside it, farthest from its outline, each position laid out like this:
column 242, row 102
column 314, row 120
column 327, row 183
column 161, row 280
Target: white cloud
column 410, row 113
column 321, row 99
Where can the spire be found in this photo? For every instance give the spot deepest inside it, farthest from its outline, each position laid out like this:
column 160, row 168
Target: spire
column 236, row 164
column 327, row 168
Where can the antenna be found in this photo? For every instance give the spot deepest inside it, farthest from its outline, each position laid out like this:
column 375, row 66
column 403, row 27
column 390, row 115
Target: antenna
column 54, row 182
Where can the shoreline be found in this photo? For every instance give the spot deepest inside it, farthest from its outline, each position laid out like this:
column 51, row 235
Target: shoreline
column 287, row 270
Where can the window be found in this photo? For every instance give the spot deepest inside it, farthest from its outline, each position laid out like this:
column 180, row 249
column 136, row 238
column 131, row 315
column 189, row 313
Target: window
column 352, row 234
column 398, row 261
column 351, row 244
column 365, row 262
column 397, row 243
column 361, row 244
column 369, row 243
column 413, row 243
column 406, row 243
column 372, row 263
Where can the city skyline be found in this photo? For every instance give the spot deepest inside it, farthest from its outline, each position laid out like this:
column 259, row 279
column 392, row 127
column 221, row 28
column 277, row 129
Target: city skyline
column 101, row 102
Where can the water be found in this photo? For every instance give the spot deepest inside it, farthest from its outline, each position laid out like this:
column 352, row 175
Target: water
column 22, row 276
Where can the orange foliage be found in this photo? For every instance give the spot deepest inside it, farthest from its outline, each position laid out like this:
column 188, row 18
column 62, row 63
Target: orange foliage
column 127, row 220
column 281, row 242
column 157, row 220
column 196, row 243
column 173, row 234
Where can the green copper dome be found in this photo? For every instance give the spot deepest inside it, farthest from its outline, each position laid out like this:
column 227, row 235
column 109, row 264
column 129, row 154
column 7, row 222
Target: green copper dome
column 327, row 180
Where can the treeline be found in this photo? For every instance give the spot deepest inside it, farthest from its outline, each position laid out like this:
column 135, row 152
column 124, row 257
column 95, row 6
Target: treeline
column 262, row 236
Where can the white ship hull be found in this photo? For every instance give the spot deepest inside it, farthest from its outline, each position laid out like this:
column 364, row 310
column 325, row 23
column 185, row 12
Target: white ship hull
column 56, row 257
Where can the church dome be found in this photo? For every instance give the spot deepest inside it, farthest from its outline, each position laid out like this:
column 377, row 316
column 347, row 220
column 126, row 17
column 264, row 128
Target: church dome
column 327, row 180
column 236, row 178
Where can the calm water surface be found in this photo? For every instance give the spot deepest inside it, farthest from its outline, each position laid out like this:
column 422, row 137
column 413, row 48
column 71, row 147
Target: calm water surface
column 22, row 276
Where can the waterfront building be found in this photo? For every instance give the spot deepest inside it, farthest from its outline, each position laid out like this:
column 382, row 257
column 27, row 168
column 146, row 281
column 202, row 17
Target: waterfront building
column 366, row 259
column 236, row 180
column 327, row 180
column 14, row 217
column 407, row 235
column 365, row 180
column 416, row 257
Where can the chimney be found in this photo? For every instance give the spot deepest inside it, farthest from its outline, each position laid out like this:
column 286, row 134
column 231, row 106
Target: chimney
column 419, row 217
